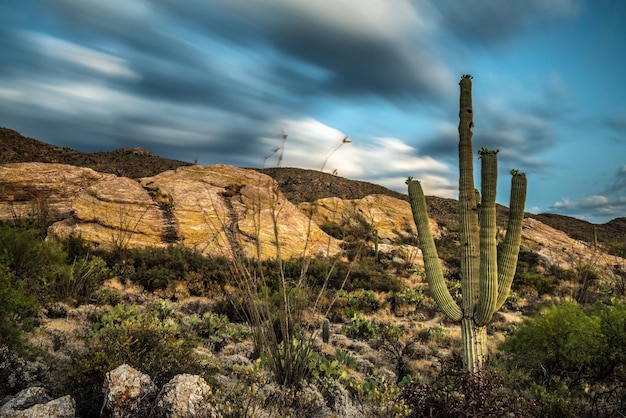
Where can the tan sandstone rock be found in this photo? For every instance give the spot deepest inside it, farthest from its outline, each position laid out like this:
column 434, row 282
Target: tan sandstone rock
column 44, row 191
column 224, row 210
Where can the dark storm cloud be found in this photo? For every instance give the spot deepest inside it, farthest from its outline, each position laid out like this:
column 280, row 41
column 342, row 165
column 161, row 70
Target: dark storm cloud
column 521, row 139
column 619, row 183
column 494, row 21
column 353, row 61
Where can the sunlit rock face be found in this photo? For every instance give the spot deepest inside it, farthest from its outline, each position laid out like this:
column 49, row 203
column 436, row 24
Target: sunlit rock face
column 224, row 210
column 555, row 247
column 42, row 190
column 220, row 210
column 388, row 220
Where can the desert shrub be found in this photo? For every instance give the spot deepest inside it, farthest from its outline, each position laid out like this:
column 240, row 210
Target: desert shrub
column 333, row 229
column 558, row 344
column 360, row 301
column 80, row 279
column 106, row 296
column 455, row 392
column 530, row 277
column 360, row 327
column 574, row 359
column 231, row 307
column 156, row 268
column 618, row 249
column 414, row 296
column 76, row 247
column 17, row 308
column 148, row 341
column 30, row 259
column 19, row 371
column 217, row 329
column 45, row 268
column 400, row 344
column 379, row 397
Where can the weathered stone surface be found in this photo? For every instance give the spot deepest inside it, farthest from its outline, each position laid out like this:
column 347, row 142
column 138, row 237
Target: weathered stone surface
column 185, row 396
column 557, row 248
column 221, row 210
column 26, row 398
column 116, row 212
column 34, row 402
column 391, row 218
column 44, row 191
column 225, row 210
column 127, row 392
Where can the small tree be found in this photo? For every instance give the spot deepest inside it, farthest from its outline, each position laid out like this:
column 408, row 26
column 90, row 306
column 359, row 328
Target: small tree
column 486, row 275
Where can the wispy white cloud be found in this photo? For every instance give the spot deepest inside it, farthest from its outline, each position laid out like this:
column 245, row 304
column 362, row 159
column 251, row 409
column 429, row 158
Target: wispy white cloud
column 82, row 56
column 388, row 161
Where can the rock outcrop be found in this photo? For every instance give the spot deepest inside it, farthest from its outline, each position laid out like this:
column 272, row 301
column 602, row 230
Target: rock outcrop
column 185, row 396
column 34, row 402
column 557, row 248
column 127, row 393
column 221, row 210
column 225, row 210
column 41, row 190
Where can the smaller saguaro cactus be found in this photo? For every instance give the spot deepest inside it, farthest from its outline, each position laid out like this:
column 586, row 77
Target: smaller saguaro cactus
column 326, row 331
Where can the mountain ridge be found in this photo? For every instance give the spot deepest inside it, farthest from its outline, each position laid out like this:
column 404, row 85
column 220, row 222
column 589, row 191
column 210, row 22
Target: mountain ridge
column 139, row 163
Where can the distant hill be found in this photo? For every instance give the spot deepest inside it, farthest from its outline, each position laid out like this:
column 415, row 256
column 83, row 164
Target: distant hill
column 126, row 162
column 298, row 185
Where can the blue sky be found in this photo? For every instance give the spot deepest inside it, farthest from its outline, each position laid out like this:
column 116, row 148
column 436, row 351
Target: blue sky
column 219, row 80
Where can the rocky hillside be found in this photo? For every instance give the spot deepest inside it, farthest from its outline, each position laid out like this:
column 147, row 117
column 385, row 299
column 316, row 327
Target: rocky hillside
column 125, row 162
column 297, row 185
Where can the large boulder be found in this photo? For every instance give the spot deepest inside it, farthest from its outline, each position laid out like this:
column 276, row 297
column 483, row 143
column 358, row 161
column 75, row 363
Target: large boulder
column 116, row 213
column 387, row 217
column 228, row 211
column 185, row 396
column 41, row 190
column 34, row 402
column 391, row 218
column 127, row 393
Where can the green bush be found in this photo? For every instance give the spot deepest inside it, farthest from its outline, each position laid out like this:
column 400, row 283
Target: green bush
column 360, row 327
column 17, row 308
column 32, row 260
column 217, row 329
column 363, row 301
column 156, row 268
column 529, row 275
column 574, row 359
column 618, row 249
column 80, row 279
column 149, row 341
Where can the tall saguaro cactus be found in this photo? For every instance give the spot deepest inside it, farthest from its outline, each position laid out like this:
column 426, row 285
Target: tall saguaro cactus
column 486, row 273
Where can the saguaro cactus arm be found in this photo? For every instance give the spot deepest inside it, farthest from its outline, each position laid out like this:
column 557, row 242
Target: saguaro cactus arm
column 509, row 250
column 488, row 243
column 432, row 265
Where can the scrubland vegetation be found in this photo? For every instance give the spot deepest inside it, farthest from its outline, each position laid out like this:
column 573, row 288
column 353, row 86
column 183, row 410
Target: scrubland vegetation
column 69, row 314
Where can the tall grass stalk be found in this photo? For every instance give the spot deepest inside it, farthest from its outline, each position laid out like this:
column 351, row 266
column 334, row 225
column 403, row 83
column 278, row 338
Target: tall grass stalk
column 275, row 302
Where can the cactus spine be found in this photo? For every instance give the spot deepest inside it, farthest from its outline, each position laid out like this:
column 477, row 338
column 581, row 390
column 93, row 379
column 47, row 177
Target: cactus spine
column 486, row 274
column 326, row 331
